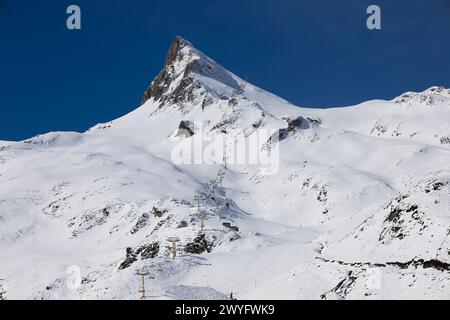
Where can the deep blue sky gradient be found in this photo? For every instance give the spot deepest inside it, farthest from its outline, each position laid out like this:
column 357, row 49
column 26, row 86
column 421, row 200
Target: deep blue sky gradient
column 314, row 53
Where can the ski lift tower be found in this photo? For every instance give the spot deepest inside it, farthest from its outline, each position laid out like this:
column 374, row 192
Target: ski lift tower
column 213, row 185
column 202, row 220
column 174, row 241
column 220, row 176
column 225, row 154
column 142, row 273
column 199, row 198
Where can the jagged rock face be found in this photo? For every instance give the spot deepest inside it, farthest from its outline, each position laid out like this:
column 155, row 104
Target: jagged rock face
column 162, row 81
column 175, row 83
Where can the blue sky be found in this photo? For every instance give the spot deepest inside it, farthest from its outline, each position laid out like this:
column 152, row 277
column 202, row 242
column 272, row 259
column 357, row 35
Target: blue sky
column 313, row 53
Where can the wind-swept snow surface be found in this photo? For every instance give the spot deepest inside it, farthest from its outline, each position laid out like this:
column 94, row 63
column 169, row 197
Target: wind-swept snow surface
column 359, row 206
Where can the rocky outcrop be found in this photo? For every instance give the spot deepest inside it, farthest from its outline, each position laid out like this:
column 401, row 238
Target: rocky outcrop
column 428, row 97
column 130, row 258
column 445, row 140
column 416, row 263
column 2, row 291
column 198, row 245
column 162, row 81
column 434, row 186
column 343, row 288
column 148, row 251
column 402, row 217
column 142, row 222
column 185, row 129
column 175, row 83
column 294, row 124
column 297, row 123
column 158, row 213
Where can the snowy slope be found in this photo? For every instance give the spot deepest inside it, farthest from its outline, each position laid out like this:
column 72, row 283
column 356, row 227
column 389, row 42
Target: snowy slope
column 358, row 208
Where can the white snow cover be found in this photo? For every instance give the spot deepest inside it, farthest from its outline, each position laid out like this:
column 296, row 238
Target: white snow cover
column 360, row 208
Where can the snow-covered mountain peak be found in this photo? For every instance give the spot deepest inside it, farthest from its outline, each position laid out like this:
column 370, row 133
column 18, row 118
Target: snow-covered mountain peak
column 193, row 88
column 186, row 70
column 358, row 205
column 432, row 96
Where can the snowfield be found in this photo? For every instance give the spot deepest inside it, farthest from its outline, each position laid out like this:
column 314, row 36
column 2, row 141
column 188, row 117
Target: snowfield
column 359, row 207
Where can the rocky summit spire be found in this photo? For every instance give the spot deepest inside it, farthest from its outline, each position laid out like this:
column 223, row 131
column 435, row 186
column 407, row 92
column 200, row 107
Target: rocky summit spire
column 175, row 82
column 162, row 81
column 177, row 44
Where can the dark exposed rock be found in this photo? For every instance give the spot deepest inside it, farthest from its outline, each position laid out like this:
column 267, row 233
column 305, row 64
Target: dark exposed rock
column 198, row 245
column 434, row 186
column 159, row 212
column 180, row 202
column 196, row 62
column 343, row 288
column 162, row 81
column 432, row 263
column 445, row 140
column 185, row 128
column 160, row 224
column 226, row 122
column 402, row 217
column 345, row 285
column 427, row 97
column 105, row 212
column 394, row 215
column 297, row 123
column 86, row 280
column 315, row 121
column 148, row 251
column 282, row 134
column 322, row 196
column 142, row 222
column 130, row 258
column 233, row 102
column 183, row 92
column 91, row 219
column 2, row 293
column 206, row 102
column 294, row 124
column 257, row 124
